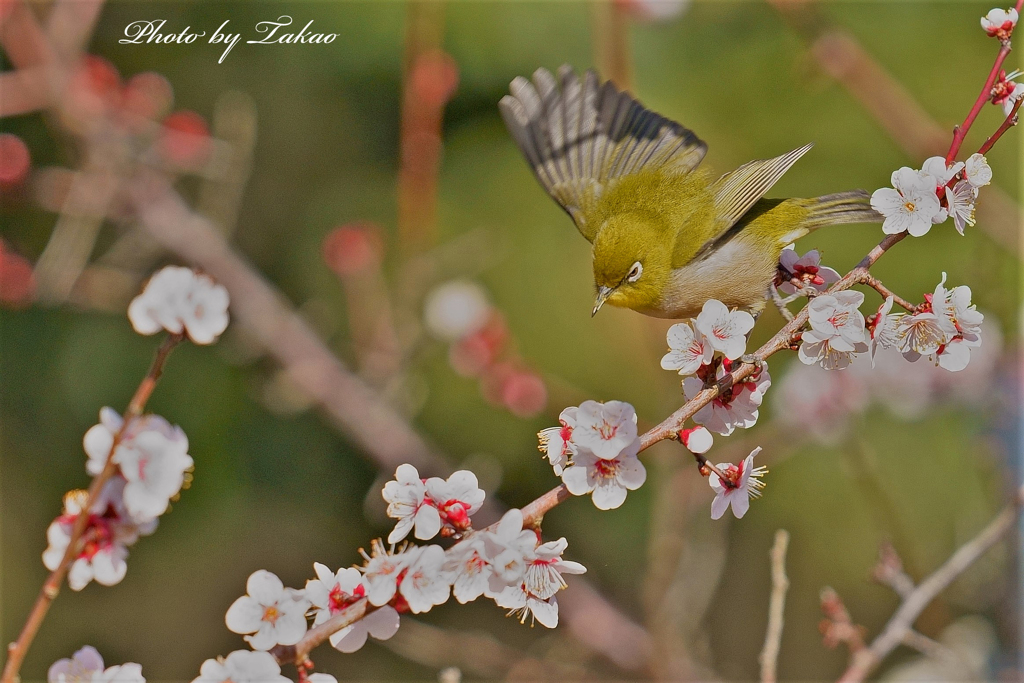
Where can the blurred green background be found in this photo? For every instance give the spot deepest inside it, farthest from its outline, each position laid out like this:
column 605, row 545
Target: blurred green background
column 281, row 490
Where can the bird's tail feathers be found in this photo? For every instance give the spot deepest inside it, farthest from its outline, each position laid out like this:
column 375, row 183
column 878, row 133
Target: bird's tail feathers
column 841, row 208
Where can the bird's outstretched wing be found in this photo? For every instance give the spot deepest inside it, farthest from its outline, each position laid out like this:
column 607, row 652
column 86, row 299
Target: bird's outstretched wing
column 580, row 137
column 737, row 191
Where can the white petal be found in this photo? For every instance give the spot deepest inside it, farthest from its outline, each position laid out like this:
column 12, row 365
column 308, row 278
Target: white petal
column 382, row 623
column 631, row 473
column 351, row 638
column 609, row 495
column 719, row 505
column 576, row 479
column 428, row 522
column 244, row 615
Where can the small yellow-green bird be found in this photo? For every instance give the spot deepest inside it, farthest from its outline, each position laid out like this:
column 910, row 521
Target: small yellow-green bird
column 666, row 236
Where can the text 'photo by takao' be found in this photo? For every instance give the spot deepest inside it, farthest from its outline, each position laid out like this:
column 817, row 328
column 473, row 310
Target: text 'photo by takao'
column 291, row 296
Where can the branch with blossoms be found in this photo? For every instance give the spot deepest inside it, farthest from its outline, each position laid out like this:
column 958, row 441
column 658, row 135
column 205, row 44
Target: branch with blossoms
column 138, row 462
column 594, row 449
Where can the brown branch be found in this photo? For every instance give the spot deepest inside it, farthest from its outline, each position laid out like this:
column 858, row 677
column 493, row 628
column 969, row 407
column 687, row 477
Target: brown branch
column 780, row 584
column 17, row 650
column 876, row 284
column 902, row 622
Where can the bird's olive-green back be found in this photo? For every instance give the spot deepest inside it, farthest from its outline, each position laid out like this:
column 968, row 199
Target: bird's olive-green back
column 679, row 206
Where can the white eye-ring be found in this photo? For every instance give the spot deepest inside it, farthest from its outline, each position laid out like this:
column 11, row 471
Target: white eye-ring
column 635, row 272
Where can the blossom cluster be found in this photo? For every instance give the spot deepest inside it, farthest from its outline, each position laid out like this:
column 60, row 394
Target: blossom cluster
column 144, row 461
column 431, row 506
column 703, row 350
column 507, row 563
column 944, row 328
column 152, row 466
column 181, row 300
column 594, row 451
column 919, row 199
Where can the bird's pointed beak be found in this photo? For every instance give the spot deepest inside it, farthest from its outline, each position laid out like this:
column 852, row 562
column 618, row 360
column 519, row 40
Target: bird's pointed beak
column 602, row 294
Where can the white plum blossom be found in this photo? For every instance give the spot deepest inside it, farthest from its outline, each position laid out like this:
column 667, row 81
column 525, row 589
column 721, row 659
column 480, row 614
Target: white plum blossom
column 406, row 499
column 725, row 330
column 806, row 268
column 605, row 429
column 275, row 615
column 556, row 442
column 424, row 583
column 919, row 334
column 507, row 549
column 697, row 440
column 154, row 465
column 80, row 668
column 242, row 666
column 935, row 169
column 910, row 205
column 108, row 534
column 489, row 562
column 152, row 456
column 381, row 571
column 946, row 329
column 958, row 313
column 837, row 330
column 456, row 309
column 688, row 349
column 977, row 172
column 180, row 300
column 743, row 482
column 735, row 407
column 999, row 22
column 607, row 479
column 535, row 595
column 468, row 569
column 960, row 199
column 331, row 593
column 432, row 505
column 456, row 499
column 883, row 328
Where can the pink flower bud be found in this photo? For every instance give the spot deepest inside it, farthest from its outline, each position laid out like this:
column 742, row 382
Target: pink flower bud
column 353, row 248
column 185, row 139
column 14, row 160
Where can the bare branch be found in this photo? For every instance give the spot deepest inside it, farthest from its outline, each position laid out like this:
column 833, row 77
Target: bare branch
column 896, row 631
column 780, row 584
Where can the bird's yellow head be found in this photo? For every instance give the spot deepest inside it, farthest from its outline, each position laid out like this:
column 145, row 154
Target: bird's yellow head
column 632, row 261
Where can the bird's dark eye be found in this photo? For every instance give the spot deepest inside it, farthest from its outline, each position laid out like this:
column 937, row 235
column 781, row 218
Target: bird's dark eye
column 635, row 272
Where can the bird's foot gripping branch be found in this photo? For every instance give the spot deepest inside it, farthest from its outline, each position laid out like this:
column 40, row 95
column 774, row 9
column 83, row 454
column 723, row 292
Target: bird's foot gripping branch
column 139, row 463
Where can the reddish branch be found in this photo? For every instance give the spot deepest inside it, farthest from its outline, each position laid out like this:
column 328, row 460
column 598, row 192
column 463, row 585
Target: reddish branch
column 17, row 650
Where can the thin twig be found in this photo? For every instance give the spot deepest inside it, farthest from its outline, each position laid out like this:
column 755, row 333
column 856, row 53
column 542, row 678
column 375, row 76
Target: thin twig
column 17, row 650
column 876, row 284
column 902, row 622
column 780, row 584
column 1009, row 122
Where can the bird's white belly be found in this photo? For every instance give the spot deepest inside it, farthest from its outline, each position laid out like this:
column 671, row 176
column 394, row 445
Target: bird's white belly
column 737, row 274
